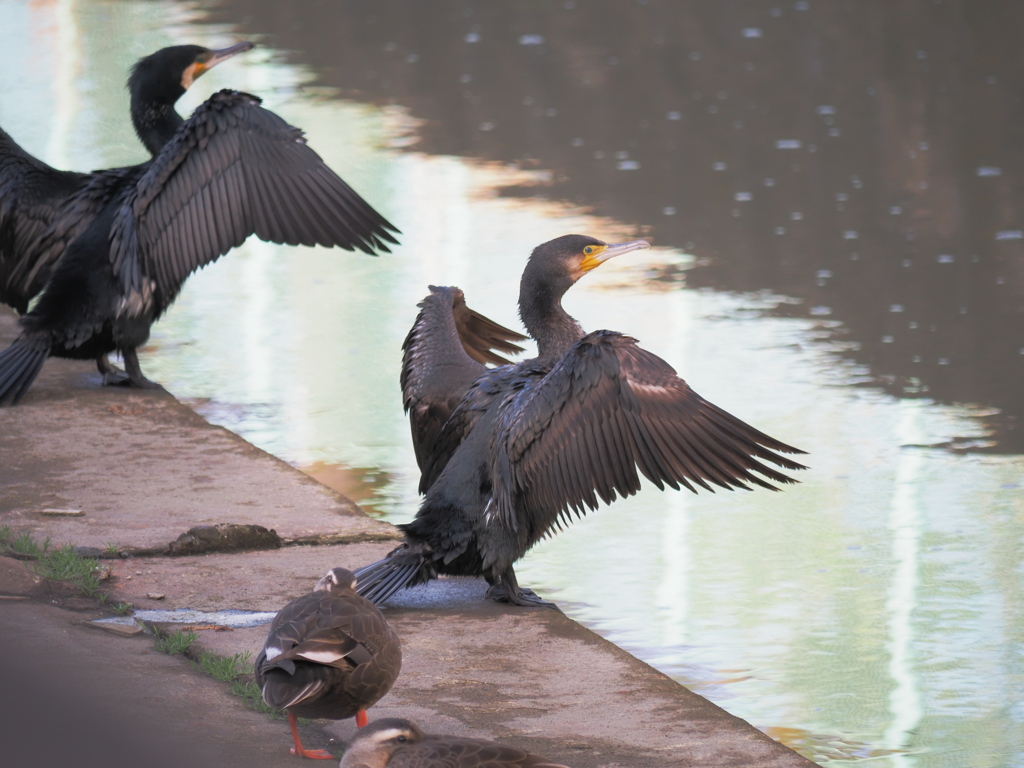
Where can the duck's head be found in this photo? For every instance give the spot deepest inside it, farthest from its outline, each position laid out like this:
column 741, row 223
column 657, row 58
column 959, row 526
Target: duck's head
column 336, row 578
column 374, row 744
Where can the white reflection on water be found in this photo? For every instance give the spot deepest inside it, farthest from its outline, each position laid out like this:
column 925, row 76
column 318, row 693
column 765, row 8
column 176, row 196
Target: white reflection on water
column 672, row 597
column 66, row 99
column 905, row 524
column 875, row 608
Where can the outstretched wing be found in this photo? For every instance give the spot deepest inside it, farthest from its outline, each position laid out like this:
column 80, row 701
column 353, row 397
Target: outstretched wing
column 235, row 169
column 606, row 410
column 33, row 197
column 442, row 356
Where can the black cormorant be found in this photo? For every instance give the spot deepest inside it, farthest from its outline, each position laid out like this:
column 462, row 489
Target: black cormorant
column 530, row 444
column 329, row 654
column 393, row 742
column 111, row 249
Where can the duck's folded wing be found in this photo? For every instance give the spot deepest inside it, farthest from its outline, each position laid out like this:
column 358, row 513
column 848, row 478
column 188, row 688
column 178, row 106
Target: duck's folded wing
column 607, row 412
column 232, row 170
column 443, row 354
column 331, row 647
column 316, row 628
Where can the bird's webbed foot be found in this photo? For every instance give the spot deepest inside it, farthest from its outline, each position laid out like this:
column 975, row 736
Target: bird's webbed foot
column 312, row 754
column 112, row 375
column 505, row 589
column 135, row 377
column 300, row 751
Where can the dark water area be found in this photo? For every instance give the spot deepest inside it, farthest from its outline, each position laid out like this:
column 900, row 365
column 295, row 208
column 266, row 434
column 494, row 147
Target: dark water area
column 857, row 160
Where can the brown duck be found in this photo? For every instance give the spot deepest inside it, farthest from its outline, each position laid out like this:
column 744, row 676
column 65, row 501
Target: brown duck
column 395, row 743
column 330, row 654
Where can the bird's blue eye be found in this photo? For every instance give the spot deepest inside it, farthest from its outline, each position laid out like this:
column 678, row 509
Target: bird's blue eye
column 588, row 250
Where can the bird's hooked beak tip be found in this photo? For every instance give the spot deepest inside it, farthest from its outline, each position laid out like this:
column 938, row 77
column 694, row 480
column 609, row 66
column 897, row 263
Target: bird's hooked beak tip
column 610, row 252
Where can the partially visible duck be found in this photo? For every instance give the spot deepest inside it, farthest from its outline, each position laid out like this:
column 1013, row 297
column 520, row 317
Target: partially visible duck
column 396, row 743
column 330, row 654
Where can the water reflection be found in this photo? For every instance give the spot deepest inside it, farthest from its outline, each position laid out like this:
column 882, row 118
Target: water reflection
column 363, row 485
column 872, row 612
column 905, row 525
column 859, row 156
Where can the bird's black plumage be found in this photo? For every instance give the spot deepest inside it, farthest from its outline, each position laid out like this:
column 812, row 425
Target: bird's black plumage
column 398, row 743
column 444, row 353
column 529, row 445
column 111, row 250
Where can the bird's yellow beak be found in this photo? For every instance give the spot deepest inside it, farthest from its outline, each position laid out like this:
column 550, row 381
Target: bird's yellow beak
column 208, row 61
column 596, row 255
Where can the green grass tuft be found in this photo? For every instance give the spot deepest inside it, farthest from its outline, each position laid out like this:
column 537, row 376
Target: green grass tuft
column 24, row 544
column 61, row 564
column 64, row 564
column 172, row 643
column 223, row 668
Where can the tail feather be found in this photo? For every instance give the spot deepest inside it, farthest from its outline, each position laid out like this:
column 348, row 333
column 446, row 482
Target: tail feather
column 281, row 692
column 20, row 363
column 405, row 567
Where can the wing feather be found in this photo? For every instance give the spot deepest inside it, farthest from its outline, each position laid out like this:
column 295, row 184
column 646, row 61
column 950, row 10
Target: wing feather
column 234, row 169
column 604, row 413
column 42, row 210
column 442, row 356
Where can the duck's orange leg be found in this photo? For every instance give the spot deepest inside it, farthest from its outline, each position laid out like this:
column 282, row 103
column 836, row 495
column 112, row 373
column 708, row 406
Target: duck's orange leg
column 361, row 719
column 298, row 751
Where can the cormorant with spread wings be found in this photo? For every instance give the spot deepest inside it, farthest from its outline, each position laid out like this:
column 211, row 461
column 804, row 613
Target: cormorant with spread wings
column 110, row 250
column 528, row 445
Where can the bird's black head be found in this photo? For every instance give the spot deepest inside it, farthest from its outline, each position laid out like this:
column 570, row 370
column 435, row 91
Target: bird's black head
column 556, row 265
column 165, row 75
column 560, row 262
column 553, row 268
column 336, row 578
column 160, row 79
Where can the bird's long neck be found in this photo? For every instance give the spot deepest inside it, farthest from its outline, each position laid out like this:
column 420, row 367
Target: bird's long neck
column 540, row 308
column 155, row 122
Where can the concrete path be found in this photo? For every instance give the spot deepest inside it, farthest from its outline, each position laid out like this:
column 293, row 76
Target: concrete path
column 96, row 467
